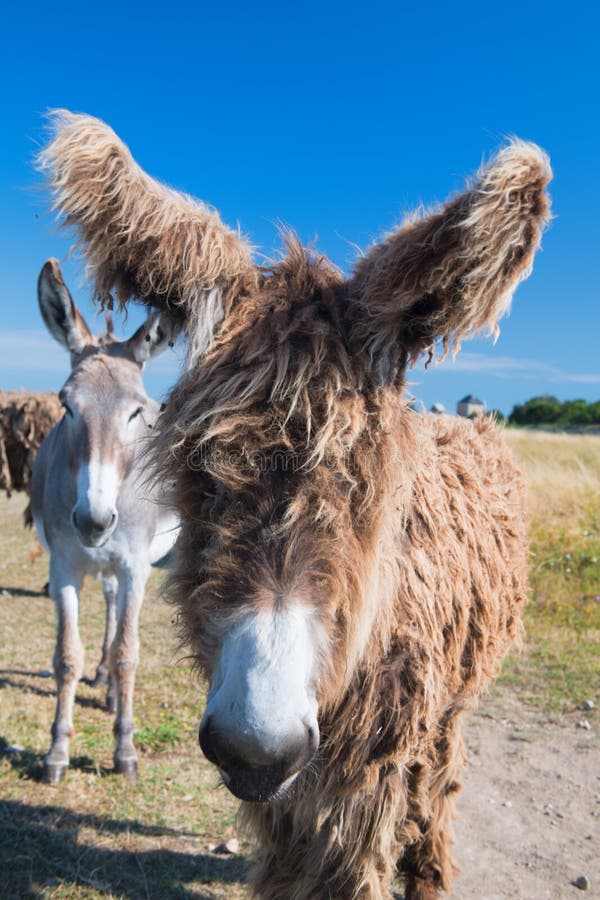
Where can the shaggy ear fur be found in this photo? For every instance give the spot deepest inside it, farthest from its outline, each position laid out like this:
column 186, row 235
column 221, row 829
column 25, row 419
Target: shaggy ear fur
column 145, row 240
column 61, row 317
column 153, row 337
column 453, row 273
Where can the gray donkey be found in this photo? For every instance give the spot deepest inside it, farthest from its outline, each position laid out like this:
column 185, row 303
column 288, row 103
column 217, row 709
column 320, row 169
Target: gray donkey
column 93, row 509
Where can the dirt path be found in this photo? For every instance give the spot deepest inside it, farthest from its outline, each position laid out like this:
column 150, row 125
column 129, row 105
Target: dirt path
column 530, row 809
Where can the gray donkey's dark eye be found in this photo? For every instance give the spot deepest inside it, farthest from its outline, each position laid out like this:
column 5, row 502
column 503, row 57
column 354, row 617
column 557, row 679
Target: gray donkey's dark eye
column 135, row 413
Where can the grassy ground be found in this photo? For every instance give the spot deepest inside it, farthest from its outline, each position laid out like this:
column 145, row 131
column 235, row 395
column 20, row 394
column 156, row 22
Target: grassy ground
column 98, row 836
column 560, row 663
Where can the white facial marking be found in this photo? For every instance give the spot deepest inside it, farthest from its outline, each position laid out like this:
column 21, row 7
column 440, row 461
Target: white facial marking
column 97, row 488
column 264, row 686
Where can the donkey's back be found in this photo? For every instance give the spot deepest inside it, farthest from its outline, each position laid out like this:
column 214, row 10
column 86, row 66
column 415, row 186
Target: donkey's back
column 469, row 520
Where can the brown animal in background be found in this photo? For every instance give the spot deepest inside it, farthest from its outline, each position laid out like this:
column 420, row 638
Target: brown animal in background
column 25, row 420
column 349, row 573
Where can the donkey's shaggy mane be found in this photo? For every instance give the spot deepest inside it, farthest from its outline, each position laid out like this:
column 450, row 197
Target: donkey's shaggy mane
column 275, row 410
column 279, row 363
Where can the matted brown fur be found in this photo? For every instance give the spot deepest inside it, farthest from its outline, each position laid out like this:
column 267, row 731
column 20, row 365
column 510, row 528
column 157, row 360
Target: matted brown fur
column 409, row 530
column 25, row 420
column 300, row 470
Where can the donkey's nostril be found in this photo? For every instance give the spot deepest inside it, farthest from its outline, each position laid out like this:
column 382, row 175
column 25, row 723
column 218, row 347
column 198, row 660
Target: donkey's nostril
column 205, row 741
column 100, row 522
column 253, row 772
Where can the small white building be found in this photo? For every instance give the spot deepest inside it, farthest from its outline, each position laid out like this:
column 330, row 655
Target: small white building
column 438, row 408
column 470, row 406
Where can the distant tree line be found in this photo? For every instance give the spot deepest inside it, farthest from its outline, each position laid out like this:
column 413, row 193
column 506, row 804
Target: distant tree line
column 549, row 411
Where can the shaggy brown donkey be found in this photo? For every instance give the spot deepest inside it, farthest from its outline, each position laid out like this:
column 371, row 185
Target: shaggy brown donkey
column 350, row 573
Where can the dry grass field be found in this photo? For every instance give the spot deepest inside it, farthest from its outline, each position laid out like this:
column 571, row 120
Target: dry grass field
column 96, row 835
column 561, row 659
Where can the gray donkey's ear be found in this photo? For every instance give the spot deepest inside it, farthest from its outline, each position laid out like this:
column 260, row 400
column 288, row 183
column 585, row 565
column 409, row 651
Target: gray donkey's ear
column 452, row 274
column 62, row 318
column 158, row 332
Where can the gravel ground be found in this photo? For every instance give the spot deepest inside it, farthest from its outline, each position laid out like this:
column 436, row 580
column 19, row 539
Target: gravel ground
column 529, row 813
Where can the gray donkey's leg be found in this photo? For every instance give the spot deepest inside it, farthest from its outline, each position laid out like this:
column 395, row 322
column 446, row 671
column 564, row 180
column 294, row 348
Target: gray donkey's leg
column 68, row 665
column 110, row 585
column 124, row 660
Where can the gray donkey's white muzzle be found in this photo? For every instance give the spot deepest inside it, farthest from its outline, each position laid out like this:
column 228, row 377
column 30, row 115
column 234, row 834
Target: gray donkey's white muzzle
column 94, row 515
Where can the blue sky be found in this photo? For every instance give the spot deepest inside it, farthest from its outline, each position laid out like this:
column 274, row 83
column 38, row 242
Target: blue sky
column 335, row 119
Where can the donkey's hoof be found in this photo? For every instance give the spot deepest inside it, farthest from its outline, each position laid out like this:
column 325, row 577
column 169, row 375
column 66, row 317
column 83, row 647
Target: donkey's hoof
column 128, row 768
column 53, row 773
column 100, row 679
column 111, row 703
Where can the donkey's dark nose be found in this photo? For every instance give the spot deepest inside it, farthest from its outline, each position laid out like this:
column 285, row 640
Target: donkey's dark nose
column 93, row 527
column 250, row 771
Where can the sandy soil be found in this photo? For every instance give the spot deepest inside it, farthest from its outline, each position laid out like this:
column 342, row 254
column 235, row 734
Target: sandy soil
column 529, row 814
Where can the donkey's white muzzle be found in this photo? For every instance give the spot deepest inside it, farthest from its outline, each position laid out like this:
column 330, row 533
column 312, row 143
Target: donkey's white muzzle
column 95, row 515
column 260, row 725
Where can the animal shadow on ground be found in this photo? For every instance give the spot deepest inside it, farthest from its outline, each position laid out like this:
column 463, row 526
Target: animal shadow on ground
column 41, row 846
column 29, row 764
column 6, row 681
column 21, row 592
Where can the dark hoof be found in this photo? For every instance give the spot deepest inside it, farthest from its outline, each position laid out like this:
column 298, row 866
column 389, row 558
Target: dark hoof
column 111, row 704
column 100, row 679
column 53, row 774
column 128, row 768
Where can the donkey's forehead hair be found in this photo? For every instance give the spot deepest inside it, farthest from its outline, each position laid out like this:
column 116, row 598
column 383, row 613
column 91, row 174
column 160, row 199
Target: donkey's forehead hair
column 107, row 370
column 278, row 338
column 278, row 378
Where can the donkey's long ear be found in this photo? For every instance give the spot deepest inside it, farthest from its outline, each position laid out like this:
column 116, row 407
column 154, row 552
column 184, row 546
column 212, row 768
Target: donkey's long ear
column 158, row 332
column 62, row 318
column 453, row 273
column 144, row 240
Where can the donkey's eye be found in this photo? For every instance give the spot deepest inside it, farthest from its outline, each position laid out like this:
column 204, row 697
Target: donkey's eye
column 135, row 413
